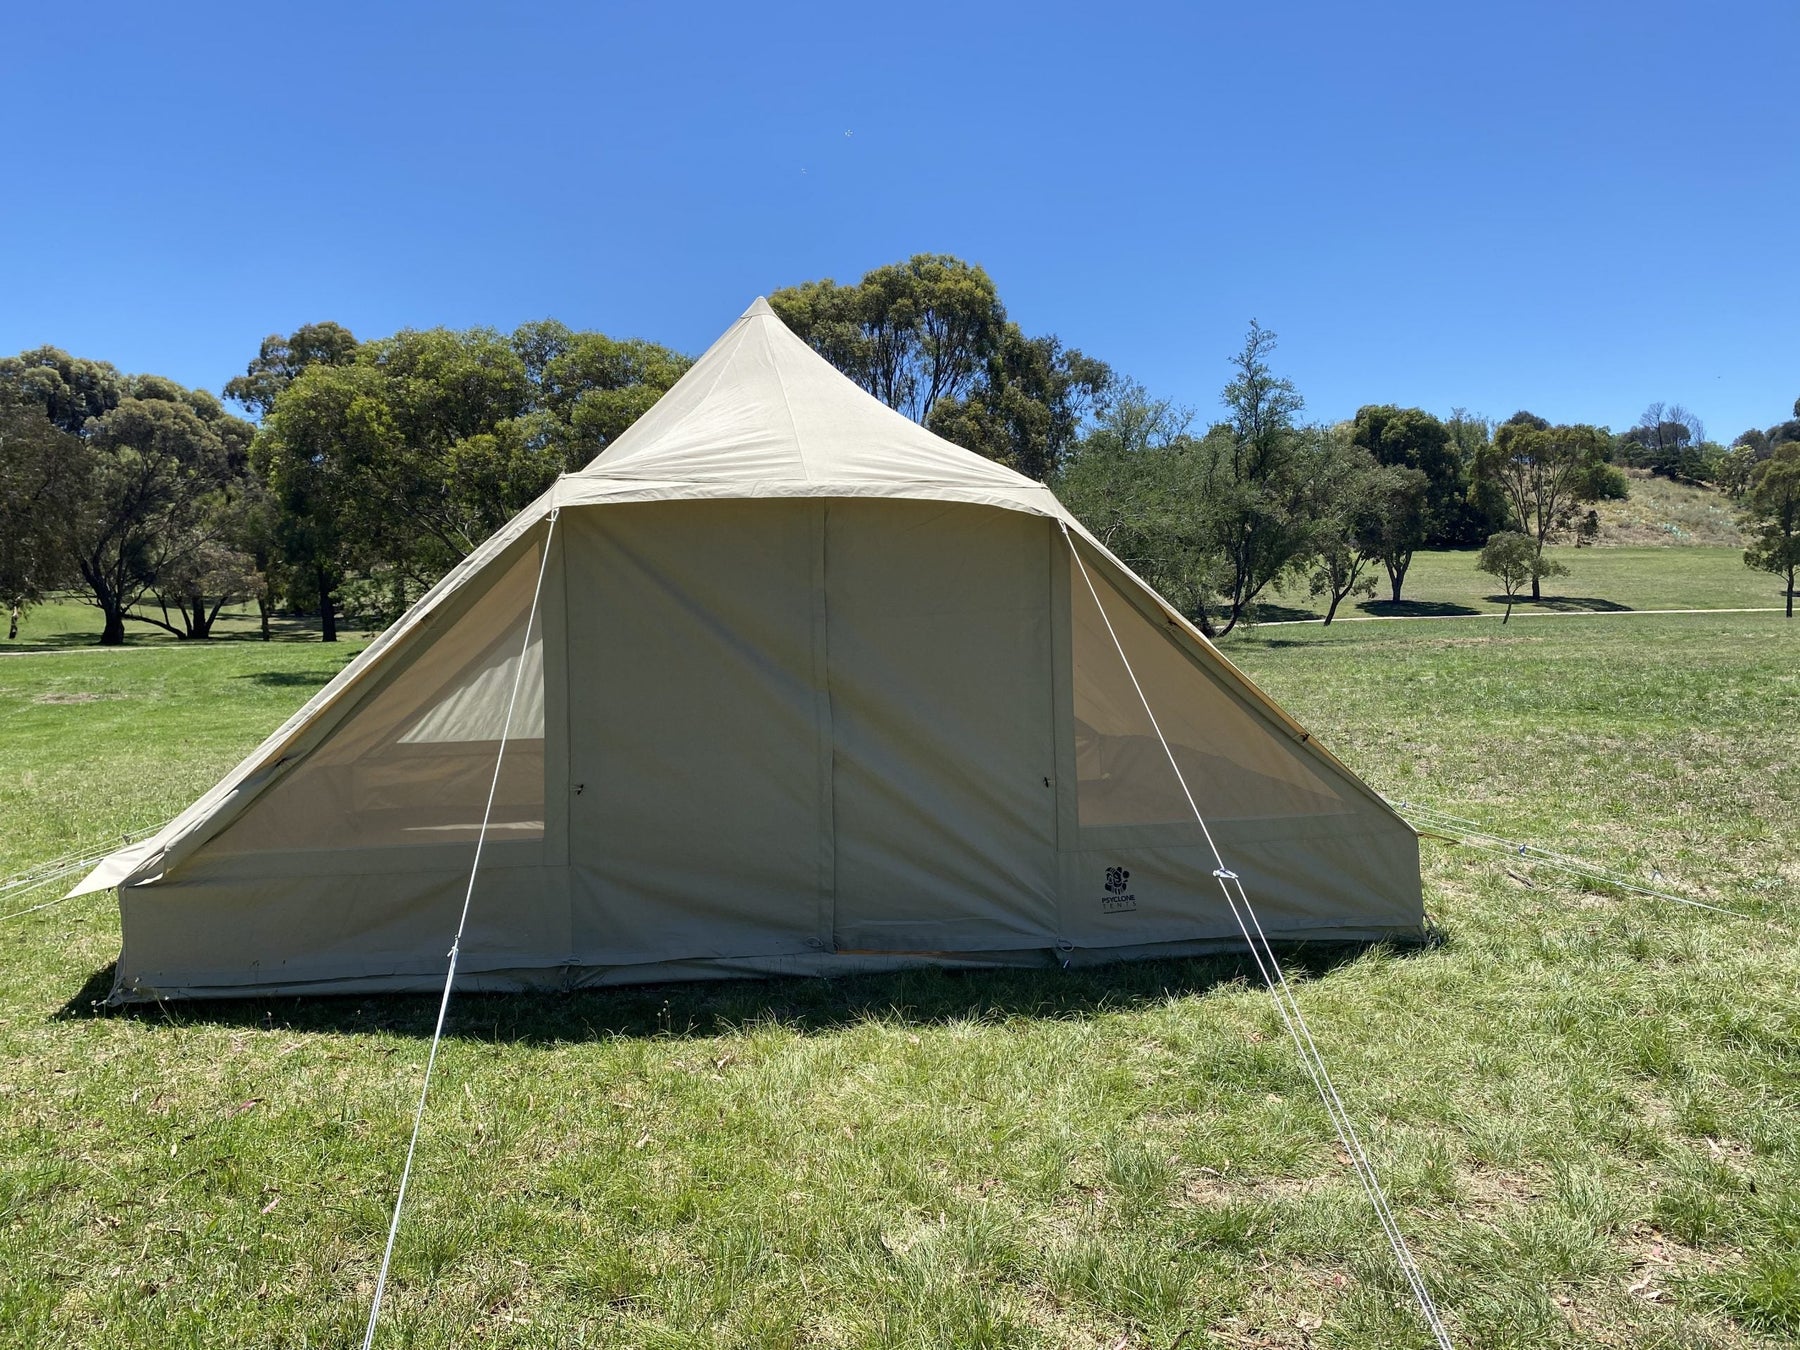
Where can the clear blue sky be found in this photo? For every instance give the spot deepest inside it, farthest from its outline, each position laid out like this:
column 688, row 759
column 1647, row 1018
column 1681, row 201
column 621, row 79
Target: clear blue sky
column 1575, row 208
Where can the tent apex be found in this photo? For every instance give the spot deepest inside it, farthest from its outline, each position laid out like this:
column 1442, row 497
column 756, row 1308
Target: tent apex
column 758, row 308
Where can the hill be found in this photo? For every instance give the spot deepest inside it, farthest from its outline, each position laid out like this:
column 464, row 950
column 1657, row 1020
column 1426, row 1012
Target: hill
column 1661, row 512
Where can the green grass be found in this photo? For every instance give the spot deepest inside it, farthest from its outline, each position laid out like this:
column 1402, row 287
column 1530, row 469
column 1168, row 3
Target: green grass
column 1600, row 580
column 66, row 621
column 1585, row 1105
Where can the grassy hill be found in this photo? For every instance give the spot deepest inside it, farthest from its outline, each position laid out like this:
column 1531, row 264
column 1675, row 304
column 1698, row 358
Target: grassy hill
column 1663, row 513
column 1583, row 1103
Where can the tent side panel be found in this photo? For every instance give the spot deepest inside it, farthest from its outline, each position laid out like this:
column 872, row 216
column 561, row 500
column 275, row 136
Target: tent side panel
column 225, row 927
column 1315, row 850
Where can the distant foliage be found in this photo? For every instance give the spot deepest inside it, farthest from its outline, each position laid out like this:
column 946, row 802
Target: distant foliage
column 1546, row 474
column 148, row 479
column 1213, row 521
column 1515, row 560
column 1772, row 517
column 390, row 462
column 930, row 338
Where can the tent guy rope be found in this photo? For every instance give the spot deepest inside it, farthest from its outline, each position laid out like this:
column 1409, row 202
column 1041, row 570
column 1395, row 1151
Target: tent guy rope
column 462, row 922
column 1475, row 835
column 1286, row 1004
column 35, row 878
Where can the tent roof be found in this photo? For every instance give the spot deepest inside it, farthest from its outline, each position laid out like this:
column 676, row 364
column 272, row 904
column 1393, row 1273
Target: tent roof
column 762, row 414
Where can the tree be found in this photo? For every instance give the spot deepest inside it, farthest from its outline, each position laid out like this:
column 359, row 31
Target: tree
column 1257, row 482
column 1514, row 559
column 1029, row 407
column 41, row 471
column 1396, row 514
column 587, row 388
column 386, row 469
column 1413, row 439
column 1123, row 481
column 1735, row 468
column 281, row 359
column 1666, row 440
column 314, row 450
column 1350, row 502
column 155, row 457
column 910, row 333
column 71, row 391
column 159, row 461
column 1544, row 473
column 1772, row 513
column 1483, row 509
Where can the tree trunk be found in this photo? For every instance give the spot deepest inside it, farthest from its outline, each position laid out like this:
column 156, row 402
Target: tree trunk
column 1534, row 589
column 1331, row 613
column 327, row 611
column 1396, row 570
column 18, row 612
column 1506, row 618
column 112, row 633
column 1790, row 594
column 262, row 609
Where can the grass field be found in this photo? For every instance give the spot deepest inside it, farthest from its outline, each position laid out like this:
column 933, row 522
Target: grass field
column 1440, row 583
column 1587, row 1106
column 1601, row 580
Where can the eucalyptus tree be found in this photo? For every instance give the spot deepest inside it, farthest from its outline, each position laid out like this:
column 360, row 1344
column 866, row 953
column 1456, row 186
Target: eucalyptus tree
column 1424, row 506
column 279, row 361
column 1545, row 473
column 42, row 468
column 1029, row 406
column 1772, row 513
column 155, row 462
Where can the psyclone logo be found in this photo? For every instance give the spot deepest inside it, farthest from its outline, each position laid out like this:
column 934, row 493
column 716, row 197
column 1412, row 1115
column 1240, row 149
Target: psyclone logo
column 1116, row 900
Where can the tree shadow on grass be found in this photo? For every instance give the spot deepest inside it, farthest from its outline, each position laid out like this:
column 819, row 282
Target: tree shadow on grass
column 1414, row 609
column 1264, row 611
column 289, row 678
column 808, row 1005
column 1564, row 604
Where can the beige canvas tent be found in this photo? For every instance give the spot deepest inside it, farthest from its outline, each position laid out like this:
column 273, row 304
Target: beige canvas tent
column 805, row 689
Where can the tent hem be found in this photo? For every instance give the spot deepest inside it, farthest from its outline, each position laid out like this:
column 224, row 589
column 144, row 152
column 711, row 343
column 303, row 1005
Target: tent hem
column 827, row 965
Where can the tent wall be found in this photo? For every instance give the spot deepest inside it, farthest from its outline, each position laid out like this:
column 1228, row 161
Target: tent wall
column 776, row 735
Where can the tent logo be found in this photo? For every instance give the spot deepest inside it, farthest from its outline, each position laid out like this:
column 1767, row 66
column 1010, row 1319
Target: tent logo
column 1116, row 901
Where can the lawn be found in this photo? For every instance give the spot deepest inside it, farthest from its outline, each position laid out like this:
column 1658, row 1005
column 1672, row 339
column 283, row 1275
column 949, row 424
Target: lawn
column 1600, row 580
column 68, row 621
column 1584, row 1104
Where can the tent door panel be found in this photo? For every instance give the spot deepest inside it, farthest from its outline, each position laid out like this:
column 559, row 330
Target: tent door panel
column 944, row 762
column 694, row 778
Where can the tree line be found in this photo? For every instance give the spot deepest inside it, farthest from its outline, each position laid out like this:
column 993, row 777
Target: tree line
column 372, row 466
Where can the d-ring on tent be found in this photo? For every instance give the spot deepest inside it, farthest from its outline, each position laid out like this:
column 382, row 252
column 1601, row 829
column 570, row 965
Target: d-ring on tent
column 805, row 689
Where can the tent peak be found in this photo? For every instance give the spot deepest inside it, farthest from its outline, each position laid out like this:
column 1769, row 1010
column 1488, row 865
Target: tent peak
column 759, row 308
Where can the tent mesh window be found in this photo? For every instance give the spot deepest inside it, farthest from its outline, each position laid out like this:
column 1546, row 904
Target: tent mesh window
column 413, row 763
column 1236, row 766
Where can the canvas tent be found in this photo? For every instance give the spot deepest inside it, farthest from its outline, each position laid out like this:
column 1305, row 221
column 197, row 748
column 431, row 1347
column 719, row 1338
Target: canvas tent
column 804, row 688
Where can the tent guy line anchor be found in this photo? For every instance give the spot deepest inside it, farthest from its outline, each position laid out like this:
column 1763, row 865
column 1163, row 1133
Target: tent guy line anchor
column 462, row 922
column 1286, row 1004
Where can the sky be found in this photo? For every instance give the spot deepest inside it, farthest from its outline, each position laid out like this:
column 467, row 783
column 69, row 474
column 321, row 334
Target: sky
column 1573, row 208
